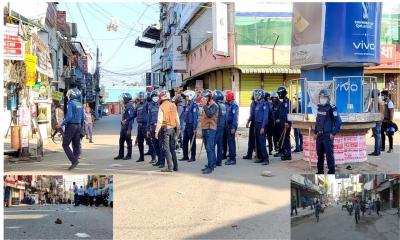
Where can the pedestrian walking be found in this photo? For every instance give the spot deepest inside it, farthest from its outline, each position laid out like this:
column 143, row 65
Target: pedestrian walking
column 7, row 194
column 73, row 122
column 261, row 112
column 231, row 119
column 294, row 205
column 298, row 137
column 75, row 191
column 277, row 131
column 377, row 106
column 285, row 124
column 89, row 124
column 151, row 127
column 327, row 125
column 58, row 118
column 363, row 207
column 317, row 208
column 208, row 124
column 126, row 128
column 378, row 206
column 81, row 192
column 370, row 206
column 91, row 194
column 357, row 209
column 168, row 127
column 270, row 125
column 250, row 125
column 387, row 121
column 191, row 115
column 140, row 113
column 219, row 136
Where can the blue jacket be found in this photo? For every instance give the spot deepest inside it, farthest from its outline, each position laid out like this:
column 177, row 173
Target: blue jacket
column 75, row 114
column 252, row 108
column 231, row 117
column 128, row 116
column 283, row 111
column 221, row 115
column 91, row 192
column 192, row 115
column 328, row 119
column 275, row 109
column 152, row 114
column 261, row 113
column 140, row 113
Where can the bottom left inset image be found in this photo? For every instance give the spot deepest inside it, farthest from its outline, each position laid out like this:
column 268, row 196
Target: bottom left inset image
column 58, row 207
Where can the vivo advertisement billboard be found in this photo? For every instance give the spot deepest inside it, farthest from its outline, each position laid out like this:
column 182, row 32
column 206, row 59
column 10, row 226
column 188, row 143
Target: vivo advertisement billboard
column 352, row 33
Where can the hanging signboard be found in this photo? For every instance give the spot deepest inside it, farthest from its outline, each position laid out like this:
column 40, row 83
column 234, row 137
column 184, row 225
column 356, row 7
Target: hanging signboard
column 42, row 51
column 56, row 95
column 14, row 46
column 30, row 70
column 61, row 20
column 85, row 63
column 178, row 59
column 220, row 29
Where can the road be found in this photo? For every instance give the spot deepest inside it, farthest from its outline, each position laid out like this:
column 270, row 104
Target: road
column 99, row 157
column 337, row 224
column 38, row 222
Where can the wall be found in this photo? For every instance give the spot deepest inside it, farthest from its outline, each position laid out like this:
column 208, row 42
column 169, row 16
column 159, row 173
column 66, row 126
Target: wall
column 201, row 29
column 262, row 55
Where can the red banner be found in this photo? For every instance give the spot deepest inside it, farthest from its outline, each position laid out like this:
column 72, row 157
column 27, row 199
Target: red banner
column 61, row 20
column 13, row 44
column 390, row 57
column 85, row 63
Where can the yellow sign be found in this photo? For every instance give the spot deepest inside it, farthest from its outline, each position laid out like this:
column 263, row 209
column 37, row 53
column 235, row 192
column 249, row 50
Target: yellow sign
column 326, row 185
column 56, row 95
column 30, row 70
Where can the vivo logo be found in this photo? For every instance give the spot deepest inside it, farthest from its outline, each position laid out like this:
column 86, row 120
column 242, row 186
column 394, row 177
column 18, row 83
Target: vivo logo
column 363, row 45
column 345, row 87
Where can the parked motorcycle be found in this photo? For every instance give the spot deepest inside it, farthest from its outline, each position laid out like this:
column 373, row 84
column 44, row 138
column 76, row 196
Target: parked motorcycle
column 101, row 200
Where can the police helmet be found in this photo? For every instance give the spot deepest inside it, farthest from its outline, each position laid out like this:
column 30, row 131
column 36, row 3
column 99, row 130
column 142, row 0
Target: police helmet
column 74, row 94
column 206, row 93
column 258, row 94
column 164, row 95
column 274, row 94
column 126, row 97
column 218, row 96
column 390, row 131
column 282, row 92
column 267, row 95
column 141, row 96
column 375, row 93
column 190, row 94
column 154, row 96
column 325, row 93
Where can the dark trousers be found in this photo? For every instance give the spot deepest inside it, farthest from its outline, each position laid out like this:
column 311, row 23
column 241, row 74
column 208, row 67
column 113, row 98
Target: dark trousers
column 76, row 199
column 161, row 156
column 298, row 138
column 252, row 141
column 383, row 137
column 260, row 142
column 219, row 142
column 154, row 144
column 188, row 137
column 141, row 136
column 270, row 131
column 224, row 144
column 231, row 143
column 325, row 147
column 72, row 134
column 124, row 137
column 209, row 143
column 91, row 198
column 286, row 148
column 169, row 144
column 295, row 209
column 277, row 132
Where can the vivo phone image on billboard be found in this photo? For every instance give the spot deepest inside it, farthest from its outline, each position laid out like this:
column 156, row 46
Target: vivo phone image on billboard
column 352, row 33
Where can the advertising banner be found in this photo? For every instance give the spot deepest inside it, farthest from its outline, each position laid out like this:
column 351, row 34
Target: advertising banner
column 220, row 29
column 56, row 95
column 61, row 20
column 178, row 59
column 30, row 70
column 307, row 33
column 352, row 33
column 14, row 46
column 42, row 51
column 349, row 94
column 313, row 89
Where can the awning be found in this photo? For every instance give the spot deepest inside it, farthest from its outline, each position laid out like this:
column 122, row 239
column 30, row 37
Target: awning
column 383, row 186
column 268, row 69
column 143, row 44
column 152, row 32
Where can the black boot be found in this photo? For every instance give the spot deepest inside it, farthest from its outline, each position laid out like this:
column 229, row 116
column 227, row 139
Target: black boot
column 118, row 158
column 247, row 157
column 127, row 157
column 141, row 159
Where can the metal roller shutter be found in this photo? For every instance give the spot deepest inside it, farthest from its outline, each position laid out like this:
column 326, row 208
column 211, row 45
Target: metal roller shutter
column 219, row 80
column 227, row 83
column 272, row 82
column 248, row 82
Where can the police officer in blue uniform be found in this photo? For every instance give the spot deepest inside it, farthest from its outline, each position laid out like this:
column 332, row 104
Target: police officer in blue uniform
column 250, row 124
column 140, row 114
column 276, row 133
column 126, row 128
column 73, row 122
column 152, row 107
column 270, row 125
column 231, row 126
column 148, row 139
column 261, row 112
column 191, row 116
column 285, row 125
column 327, row 125
column 219, row 141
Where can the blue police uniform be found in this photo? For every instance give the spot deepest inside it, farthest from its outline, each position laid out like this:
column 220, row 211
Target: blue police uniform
column 191, row 120
column 261, row 112
column 154, row 147
column 277, row 131
column 328, row 122
column 74, row 122
column 283, row 112
column 298, row 137
column 219, row 137
column 123, row 135
column 231, row 119
column 251, row 143
column 270, row 129
column 224, row 140
column 140, row 114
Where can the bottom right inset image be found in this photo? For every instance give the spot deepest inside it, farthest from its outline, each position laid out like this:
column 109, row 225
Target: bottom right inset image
column 345, row 206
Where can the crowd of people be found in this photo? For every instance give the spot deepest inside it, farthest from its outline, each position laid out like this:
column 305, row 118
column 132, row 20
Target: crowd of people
column 91, row 196
column 362, row 206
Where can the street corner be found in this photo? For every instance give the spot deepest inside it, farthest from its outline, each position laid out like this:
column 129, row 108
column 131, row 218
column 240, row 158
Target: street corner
column 58, row 207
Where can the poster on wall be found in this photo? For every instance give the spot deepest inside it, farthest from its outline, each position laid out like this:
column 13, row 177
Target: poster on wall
column 30, row 70
column 42, row 51
column 178, row 59
column 61, row 20
column 313, row 89
column 220, row 28
column 14, row 46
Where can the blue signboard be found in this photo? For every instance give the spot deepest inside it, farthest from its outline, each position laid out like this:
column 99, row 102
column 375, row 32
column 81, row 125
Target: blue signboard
column 352, row 33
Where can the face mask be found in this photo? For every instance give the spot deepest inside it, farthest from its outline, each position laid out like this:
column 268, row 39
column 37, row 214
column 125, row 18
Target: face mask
column 155, row 99
column 323, row 101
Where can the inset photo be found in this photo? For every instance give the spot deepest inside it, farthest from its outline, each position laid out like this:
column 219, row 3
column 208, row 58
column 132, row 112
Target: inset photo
column 58, row 207
column 345, row 206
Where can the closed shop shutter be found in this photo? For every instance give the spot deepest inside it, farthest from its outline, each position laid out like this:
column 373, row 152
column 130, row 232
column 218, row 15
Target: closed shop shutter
column 213, row 80
column 272, row 82
column 219, row 80
column 227, row 83
column 248, row 82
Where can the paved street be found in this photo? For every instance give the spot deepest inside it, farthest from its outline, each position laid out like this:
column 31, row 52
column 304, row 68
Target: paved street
column 337, row 224
column 38, row 222
column 99, row 157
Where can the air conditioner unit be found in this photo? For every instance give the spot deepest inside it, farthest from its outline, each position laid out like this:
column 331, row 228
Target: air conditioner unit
column 185, row 42
column 73, row 30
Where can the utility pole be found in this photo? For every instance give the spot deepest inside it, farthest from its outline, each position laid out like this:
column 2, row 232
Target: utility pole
column 97, row 84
